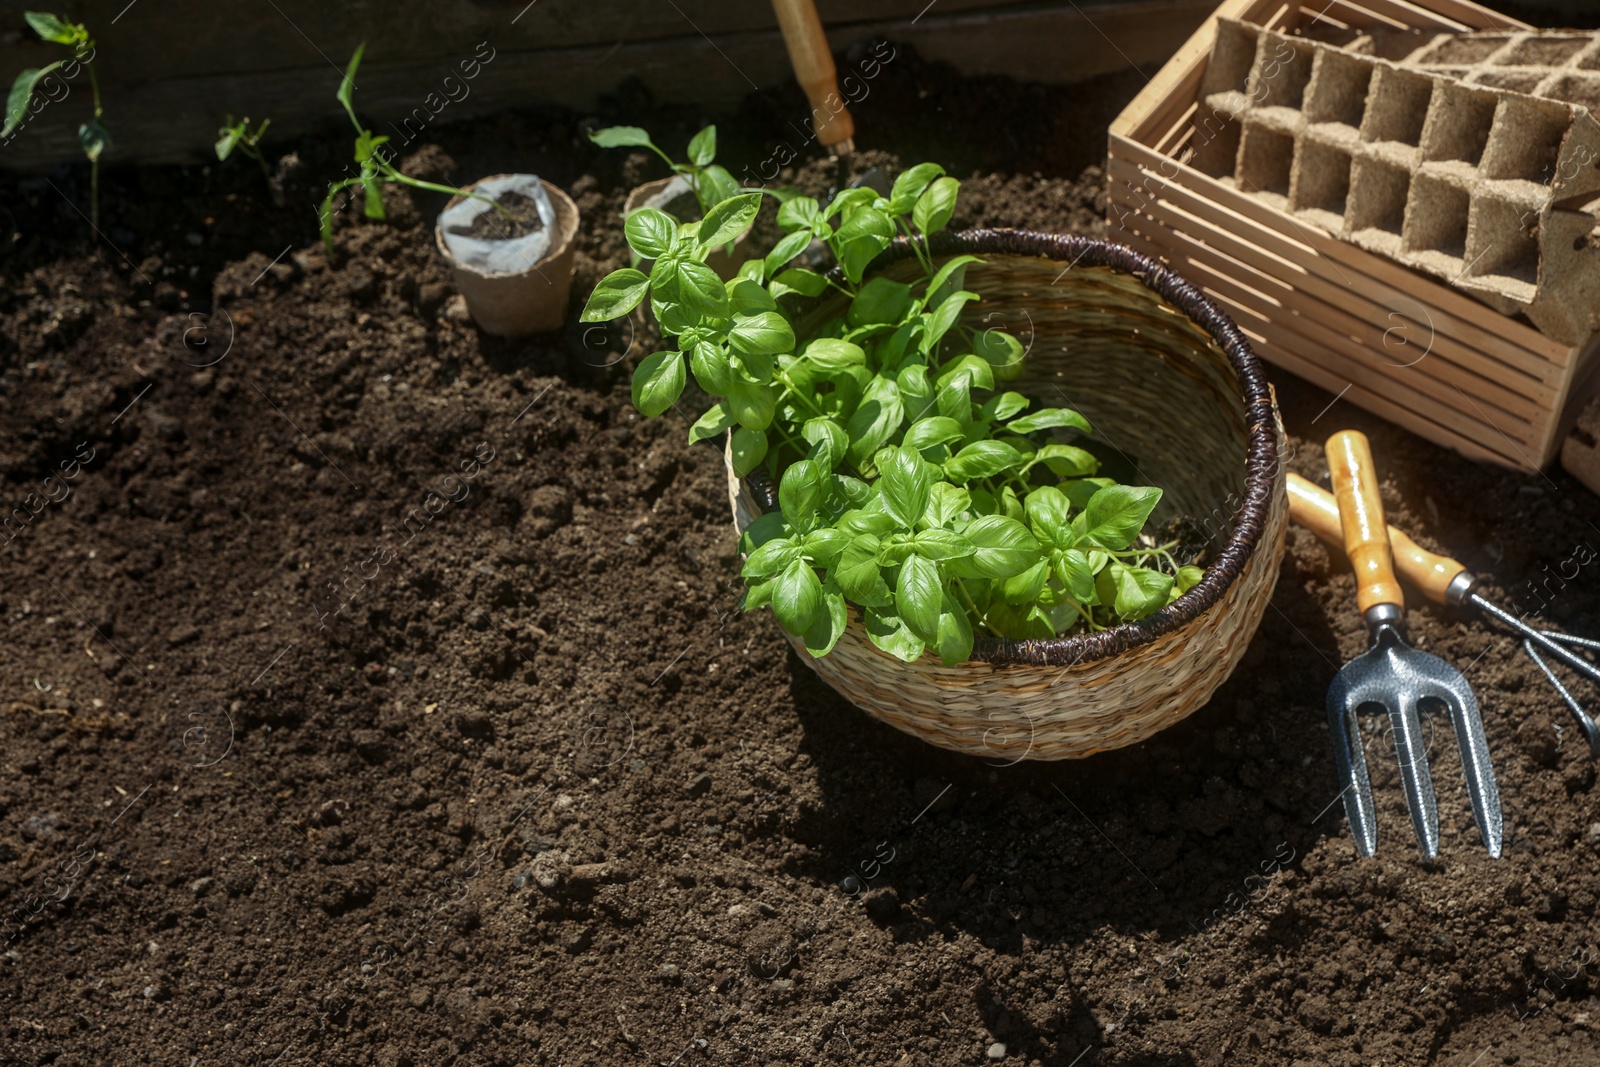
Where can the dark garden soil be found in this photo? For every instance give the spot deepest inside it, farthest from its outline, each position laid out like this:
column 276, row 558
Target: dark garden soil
column 528, row 790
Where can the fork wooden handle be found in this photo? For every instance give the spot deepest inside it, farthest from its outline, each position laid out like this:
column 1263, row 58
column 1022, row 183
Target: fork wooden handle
column 1366, row 535
column 1316, row 509
column 814, row 70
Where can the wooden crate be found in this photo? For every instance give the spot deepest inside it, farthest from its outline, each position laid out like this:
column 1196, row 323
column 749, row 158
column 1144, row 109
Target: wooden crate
column 1396, row 342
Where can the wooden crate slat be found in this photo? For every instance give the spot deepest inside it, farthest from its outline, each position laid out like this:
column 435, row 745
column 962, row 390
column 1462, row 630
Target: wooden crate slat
column 1430, row 293
column 1266, row 250
column 1190, row 54
column 1244, row 287
column 1405, row 407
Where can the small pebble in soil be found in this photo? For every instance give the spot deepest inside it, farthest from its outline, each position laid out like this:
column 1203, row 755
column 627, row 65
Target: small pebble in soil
column 997, row 1051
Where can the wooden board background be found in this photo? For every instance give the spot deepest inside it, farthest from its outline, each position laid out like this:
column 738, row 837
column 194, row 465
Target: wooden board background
column 171, row 69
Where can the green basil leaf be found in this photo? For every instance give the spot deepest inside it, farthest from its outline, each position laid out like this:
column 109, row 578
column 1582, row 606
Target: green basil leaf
column 94, row 139
column 1139, row 590
column 870, row 520
column 700, row 289
column 849, row 201
column 710, row 366
column 801, row 491
column 894, row 636
column 756, row 595
column 748, row 297
column 944, row 317
column 765, row 333
column 853, row 491
column 1000, row 350
column 1009, row 505
column 860, row 240
column 752, row 404
column 946, row 502
column 905, row 480
column 749, row 448
column 981, row 459
column 833, row 354
column 970, row 368
column 703, row 146
column 715, row 422
column 935, row 206
column 729, row 219
column 798, row 280
column 914, row 389
column 1082, row 490
column 774, row 557
column 828, row 626
column 1049, row 419
column 949, row 279
column 50, row 27
column 753, row 270
column 954, row 398
column 953, row 641
column 828, row 441
column 621, row 137
column 767, row 527
column 1116, row 514
column 797, row 597
column 617, row 294
column 1002, row 406
column 1075, row 571
column 826, row 545
column 1048, row 509
column 797, row 213
column 942, row 544
column 910, row 184
column 918, row 595
column 1187, row 579
column 658, row 382
column 1002, row 546
column 786, row 249
column 933, row 430
column 876, row 420
column 1065, row 461
column 21, row 93
column 1024, row 588
column 881, row 300
column 859, row 575
column 713, row 186
column 651, row 232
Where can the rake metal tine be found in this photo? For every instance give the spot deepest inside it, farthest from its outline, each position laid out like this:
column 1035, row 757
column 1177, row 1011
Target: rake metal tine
column 1351, row 762
column 1478, row 769
column 1572, row 639
column 1412, row 753
column 1585, row 723
column 1549, row 640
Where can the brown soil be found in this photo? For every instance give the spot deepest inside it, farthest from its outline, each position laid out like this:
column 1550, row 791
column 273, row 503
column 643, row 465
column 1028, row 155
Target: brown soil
column 373, row 693
column 521, row 218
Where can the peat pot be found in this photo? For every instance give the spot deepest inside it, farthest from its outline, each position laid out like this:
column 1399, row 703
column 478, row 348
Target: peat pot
column 518, row 286
column 1169, row 382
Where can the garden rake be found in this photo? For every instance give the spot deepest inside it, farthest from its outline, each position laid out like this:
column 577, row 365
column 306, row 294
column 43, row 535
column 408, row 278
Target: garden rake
column 1395, row 676
column 1445, row 581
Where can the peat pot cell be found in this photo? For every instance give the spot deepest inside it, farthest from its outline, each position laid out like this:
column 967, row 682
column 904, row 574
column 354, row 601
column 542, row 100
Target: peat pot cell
column 1215, row 144
column 1436, row 217
column 1526, row 139
column 1581, row 89
column 1501, row 246
column 1338, row 89
column 1518, row 81
column 1398, row 108
column 1459, row 121
column 1378, row 194
column 1232, row 56
column 1550, row 51
column 1465, row 50
column 1322, row 182
column 1265, row 160
column 1281, row 73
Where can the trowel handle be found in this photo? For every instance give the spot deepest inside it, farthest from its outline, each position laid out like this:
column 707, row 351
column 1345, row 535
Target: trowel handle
column 1316, row 509
column 814, row 70
column 1366, row 535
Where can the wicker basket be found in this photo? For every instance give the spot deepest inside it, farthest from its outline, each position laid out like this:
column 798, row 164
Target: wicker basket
column 1167, row 380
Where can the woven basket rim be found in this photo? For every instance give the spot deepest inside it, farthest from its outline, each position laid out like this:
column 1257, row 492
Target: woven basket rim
column 1261, row 464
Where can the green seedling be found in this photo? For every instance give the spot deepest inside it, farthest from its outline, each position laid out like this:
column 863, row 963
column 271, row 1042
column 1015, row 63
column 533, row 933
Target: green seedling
column 375, row 168
column 712, row 184
column 913, row 487
column 238, row 137
column 93, row 137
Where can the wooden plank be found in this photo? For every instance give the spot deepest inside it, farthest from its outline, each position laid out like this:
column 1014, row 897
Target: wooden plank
column 173, row 117
column 1428, row 291
column 1269, row 251
column 1280, row 342
column 1289, row 326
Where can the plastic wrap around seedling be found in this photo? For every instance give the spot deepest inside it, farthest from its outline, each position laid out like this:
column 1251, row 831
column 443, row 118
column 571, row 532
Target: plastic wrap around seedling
column 511, row 256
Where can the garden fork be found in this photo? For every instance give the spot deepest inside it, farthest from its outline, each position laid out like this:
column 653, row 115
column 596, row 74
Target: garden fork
column 1444, row 581
column 1395, row 676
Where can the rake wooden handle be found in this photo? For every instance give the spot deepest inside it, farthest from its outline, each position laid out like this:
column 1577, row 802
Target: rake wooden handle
column 1316, row 509
column 1366, row 535
column 814, row 69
